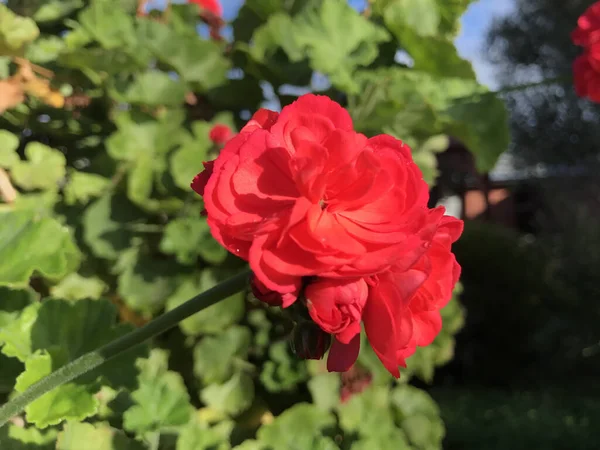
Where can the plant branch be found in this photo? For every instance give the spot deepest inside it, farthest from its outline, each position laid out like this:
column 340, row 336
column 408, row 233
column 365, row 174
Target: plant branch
column 96, row 358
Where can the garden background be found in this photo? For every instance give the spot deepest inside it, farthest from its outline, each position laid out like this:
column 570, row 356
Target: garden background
column 107, row 108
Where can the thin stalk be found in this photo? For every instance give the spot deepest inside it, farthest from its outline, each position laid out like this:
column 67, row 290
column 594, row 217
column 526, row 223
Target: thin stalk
column 96, row 358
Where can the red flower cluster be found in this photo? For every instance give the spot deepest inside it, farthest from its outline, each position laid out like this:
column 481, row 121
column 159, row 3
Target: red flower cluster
column 586, row 68
column 319, row 209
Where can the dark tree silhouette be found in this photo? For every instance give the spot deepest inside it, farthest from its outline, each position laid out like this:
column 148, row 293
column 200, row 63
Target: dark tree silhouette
column 550, row 124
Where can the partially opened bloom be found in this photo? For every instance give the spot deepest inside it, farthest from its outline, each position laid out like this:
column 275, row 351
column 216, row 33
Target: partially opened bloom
column 321, row 210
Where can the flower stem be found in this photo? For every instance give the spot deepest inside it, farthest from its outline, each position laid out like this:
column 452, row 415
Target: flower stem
column 96, row 358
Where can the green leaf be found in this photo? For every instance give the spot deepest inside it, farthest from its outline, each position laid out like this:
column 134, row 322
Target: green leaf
column 96, row 437
column 325, row 390
column 198, row 436
column 111, row 26
column 391, row 440
column 8, row 144
column 105, row 225
column 15, row 336
column 48, row 335
column 84, row 326
column 45, row 49
column 186, row 161
column 435, row 55
column 68, row 402
column 15, row 32
column 323, row 33
column 15, row 437
column 425, row 29
column 411, row 103
column 422, row 16
column 451, row 12
column 482, row 125
column 154, row 88
column 144, row 143
column 31, row 244
column 196, row 60
column 212, row 320
column 77, row 287
column 418, row 416
column 273, row 35
column 283, row 371
column 145, row 137
column 367, row 413
column 52, row 10
column 44, row 168
column 215, row 357
column 297, row 428
column 232, row 397
column 253, row 14
column 161, row 400
column 189, row 237
column 82, row 187
column 146, row 283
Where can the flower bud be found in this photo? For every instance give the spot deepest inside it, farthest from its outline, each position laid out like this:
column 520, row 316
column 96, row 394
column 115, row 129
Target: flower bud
column 309, row 341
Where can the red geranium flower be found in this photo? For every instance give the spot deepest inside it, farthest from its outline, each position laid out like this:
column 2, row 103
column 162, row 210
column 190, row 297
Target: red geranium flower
column 586, row 72
column 317, row 208
column 588, row 27
column 301, row 194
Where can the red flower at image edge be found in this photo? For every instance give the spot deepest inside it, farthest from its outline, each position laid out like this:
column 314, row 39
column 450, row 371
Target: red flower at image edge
column 586, row 68
column 586, row 72
column 302, row 196
column 588, row 27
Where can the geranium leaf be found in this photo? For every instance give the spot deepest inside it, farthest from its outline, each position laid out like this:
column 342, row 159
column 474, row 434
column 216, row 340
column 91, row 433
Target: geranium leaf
column 215, row 357
column 44, row 168
column 96, row 436
column 15, row 32
column 298, row 427
column 161, row 399
column 67, row 402
column 212, row 320
column 8, row 144
column 232, row 397
column 82, row 187
column 29, row 244
column 189, row 237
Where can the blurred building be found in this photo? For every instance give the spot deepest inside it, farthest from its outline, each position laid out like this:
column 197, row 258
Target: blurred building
column 505, row 195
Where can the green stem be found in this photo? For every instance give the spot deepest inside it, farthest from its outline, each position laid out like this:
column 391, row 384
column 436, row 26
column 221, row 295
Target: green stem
column 96, row 358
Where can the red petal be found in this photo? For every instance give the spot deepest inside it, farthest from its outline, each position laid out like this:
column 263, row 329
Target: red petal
column 343, row 356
